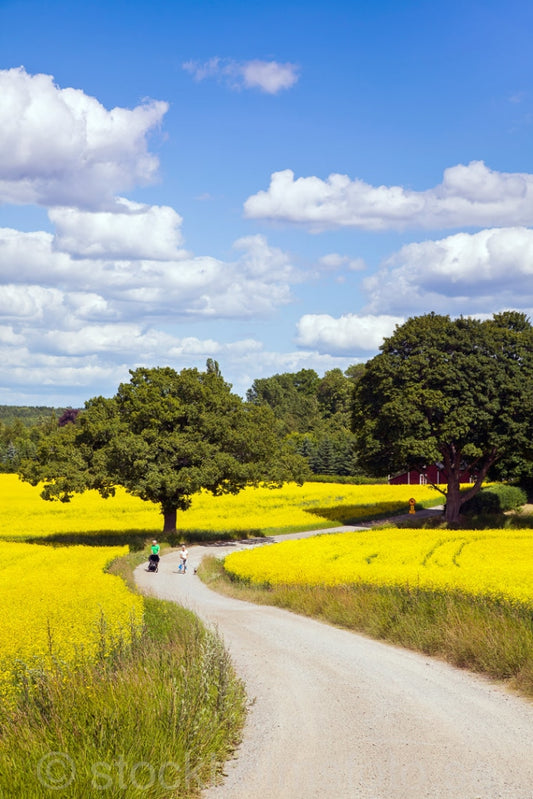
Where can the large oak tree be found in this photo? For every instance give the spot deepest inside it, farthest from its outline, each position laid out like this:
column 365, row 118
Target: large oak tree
column 458, row 392
column 164, row 436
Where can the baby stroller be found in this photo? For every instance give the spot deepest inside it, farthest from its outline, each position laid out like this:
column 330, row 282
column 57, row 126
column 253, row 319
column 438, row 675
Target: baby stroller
column 153, row 563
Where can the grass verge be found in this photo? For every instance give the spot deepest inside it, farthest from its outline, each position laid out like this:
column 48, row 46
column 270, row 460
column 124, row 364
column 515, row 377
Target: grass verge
column 157, row 719
column 491, row 637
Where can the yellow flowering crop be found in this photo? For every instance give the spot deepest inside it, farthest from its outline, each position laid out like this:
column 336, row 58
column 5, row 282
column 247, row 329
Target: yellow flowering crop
column 294, row 507
column 58, row 605
column 24, row 514
column 487, row 563
column 314, row 505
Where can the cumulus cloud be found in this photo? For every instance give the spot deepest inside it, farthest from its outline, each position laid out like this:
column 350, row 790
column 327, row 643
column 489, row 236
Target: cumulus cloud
column 131, row 230
column 469, row 195
column 270, row 77
column 254, row 284
column 31, row 304
column 80, row 323
column 347, row 334
column 62, row 147
column 28, row 257
column 127, row 341
column 260, row 259
column 59, row 366
column 462, row 273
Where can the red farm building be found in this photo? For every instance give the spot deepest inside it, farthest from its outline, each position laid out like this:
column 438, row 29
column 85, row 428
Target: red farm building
column 434, row 473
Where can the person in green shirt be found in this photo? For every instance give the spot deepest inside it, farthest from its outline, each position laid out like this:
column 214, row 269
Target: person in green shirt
column 154, row 556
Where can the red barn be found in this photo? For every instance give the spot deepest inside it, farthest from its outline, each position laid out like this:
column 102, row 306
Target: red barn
column 434, row 473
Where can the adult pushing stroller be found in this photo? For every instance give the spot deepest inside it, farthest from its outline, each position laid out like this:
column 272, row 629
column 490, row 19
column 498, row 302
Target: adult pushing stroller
column 153, row 563
column 153, row 560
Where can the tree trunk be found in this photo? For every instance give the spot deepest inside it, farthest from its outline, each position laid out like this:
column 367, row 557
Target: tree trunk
column 453, row 500
column 169, row 523
column 452, row 464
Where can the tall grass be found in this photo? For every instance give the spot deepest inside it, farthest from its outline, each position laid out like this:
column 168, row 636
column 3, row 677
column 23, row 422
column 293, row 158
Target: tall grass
column 489, row 636
column 157, row 719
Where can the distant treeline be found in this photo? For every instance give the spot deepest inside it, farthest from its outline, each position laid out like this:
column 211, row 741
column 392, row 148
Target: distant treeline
column 27, row 414
column 20, row 429
column 313, row 414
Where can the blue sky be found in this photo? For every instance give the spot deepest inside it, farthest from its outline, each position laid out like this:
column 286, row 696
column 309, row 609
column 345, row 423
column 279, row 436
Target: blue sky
column 273, row 185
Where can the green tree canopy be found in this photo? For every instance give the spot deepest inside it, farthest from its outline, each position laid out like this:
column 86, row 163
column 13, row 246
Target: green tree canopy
column 293, row 398
column 314, row 415
column 164, row 436
column 458, row 392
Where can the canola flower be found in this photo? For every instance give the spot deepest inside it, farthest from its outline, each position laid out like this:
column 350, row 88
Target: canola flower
column 59, row 607
column 496, row 563
column 311, row 506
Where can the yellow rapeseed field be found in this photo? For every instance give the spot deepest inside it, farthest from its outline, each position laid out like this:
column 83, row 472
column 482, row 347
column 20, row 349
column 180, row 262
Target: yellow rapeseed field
column 496, row 563
column 314, row 505
column 24, row 514
column 307, row 507
column 58, row 605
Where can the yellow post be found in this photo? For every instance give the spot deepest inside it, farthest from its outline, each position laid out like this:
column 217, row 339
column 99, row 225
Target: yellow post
column 412, row 503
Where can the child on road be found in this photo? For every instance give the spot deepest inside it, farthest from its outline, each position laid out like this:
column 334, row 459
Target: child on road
column 183, row 559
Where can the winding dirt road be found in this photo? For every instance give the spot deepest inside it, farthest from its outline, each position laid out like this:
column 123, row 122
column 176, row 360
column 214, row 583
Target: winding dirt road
column 338, row 716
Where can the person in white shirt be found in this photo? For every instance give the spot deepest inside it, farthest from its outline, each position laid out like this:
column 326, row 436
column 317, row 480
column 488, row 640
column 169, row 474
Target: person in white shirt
column 183, row 559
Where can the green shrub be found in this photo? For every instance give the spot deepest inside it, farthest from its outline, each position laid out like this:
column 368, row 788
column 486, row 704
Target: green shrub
column 496, row 498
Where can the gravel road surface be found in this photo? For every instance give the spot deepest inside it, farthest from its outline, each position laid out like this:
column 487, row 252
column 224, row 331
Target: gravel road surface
column 338, row 716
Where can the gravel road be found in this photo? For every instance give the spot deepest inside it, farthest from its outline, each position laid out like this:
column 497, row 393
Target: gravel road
column 338, row 716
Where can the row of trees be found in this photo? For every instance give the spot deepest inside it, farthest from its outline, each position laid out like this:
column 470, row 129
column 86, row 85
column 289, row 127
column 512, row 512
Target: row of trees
column 458, row 392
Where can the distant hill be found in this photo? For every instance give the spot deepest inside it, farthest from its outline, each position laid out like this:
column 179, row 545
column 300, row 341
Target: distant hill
column 29, row 415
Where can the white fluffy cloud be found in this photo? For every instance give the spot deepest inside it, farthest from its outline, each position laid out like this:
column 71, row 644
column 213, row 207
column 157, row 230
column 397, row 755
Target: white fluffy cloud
column 463, row 273
column 37, row 275
column 469, row 195
column 270, row 77
column 53, row 365
column 131, row 230
column 78, row 324
column 349, row 334
column 62, row 147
